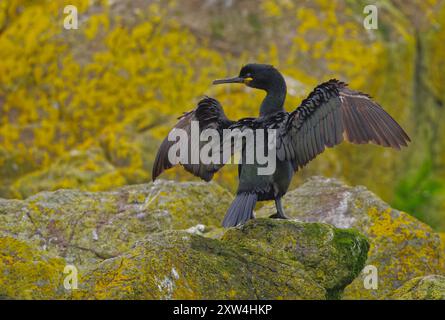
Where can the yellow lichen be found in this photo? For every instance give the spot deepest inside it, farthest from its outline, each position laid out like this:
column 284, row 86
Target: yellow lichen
column 27, row 273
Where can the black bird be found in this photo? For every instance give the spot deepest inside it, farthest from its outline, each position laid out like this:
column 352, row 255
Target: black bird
column 330, row 114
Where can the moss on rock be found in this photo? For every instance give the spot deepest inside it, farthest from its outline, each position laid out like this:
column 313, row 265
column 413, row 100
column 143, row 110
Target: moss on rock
column 331, row 256
column 265, row 259
column 402, row 247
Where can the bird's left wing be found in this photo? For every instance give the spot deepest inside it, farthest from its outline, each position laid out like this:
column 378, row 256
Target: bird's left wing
column 330, row 114
column 209, row 114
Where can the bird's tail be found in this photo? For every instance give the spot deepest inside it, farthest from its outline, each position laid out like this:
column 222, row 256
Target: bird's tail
column 240, row 210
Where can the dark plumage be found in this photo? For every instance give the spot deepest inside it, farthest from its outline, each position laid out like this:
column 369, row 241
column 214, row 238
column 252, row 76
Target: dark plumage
column 329, row 115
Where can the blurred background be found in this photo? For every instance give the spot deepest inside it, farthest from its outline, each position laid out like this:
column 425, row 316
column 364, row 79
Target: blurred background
column 87, row 108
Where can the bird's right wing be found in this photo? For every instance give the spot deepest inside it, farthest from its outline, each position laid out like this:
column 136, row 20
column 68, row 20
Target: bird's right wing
column 210, row 115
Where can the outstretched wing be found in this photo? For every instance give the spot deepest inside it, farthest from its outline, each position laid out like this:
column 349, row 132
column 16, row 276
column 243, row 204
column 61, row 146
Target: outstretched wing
column 330, row 114
column 210, row 115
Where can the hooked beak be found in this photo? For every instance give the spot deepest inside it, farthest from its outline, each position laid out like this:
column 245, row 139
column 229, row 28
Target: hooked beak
column 233, row 80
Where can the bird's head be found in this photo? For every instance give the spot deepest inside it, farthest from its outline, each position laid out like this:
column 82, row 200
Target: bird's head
column 259, row 76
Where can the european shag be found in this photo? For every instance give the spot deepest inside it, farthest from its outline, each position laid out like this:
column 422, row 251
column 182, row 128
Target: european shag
column 330, row 114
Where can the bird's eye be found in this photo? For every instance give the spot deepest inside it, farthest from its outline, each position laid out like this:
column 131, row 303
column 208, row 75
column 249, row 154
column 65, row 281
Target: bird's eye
column 248, row 78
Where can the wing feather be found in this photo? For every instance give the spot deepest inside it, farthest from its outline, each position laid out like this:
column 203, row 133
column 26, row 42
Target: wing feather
column 332, row 113
column 210, row 115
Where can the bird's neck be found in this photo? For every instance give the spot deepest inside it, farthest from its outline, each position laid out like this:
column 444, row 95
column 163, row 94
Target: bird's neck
column 274, row 100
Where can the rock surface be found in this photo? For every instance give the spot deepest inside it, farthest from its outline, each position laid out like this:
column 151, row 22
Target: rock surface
column 422, row 288
column 152, row 241
column 402, row 248
column 26, row 272
column 162, row 240
column 288, row 260
column 442, row 245
column 87, row 227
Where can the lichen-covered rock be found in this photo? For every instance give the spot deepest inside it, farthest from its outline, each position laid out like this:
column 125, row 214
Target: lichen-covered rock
column 13, row 165
column 87, row 227
column 422, row 288
column 85, row 169
column 332, row 257
column 265, row 259
column 402, row 247
column 442, row 245
column 26, row 272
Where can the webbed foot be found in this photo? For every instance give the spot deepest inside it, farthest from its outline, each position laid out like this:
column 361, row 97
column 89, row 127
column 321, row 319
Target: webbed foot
column 280, row 212
column 279, row 216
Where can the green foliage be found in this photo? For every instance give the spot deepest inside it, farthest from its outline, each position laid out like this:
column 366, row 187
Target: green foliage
column 417, row 190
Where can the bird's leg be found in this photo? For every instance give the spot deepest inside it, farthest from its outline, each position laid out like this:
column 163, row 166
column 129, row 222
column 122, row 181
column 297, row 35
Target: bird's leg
column 280, row 213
